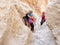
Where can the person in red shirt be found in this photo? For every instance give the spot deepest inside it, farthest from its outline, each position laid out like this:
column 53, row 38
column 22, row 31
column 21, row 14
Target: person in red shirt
column 43, row 19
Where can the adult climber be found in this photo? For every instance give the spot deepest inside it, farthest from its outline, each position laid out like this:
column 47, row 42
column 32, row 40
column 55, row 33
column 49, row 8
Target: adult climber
column 25, row 18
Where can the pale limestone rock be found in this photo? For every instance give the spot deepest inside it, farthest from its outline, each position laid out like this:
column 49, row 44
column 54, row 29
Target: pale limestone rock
column 53, row 18
column 12, row 29
column 14, row 32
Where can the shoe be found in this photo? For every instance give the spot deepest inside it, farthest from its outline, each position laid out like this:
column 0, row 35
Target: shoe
column 33, row 31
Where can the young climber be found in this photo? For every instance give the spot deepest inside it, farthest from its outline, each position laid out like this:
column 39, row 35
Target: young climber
column 43, row 19
column 28, row 19
column 31, row 23
column 31, row 20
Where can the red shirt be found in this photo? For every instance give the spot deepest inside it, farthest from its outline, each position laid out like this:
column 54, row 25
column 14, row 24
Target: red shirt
column 43, row 17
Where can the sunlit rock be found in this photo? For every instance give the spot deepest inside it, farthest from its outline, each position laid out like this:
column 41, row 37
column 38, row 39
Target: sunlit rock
column 12, row 29
column 53, row 18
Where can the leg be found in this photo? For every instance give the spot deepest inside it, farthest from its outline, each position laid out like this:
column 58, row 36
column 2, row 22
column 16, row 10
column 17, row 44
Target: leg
column 32, row 27
column 42, row 22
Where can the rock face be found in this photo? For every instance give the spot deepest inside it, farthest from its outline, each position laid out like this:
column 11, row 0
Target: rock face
column 53, row 18
column 12, row 29
column 53, row 12
column 11, row 25
column 37, row 5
